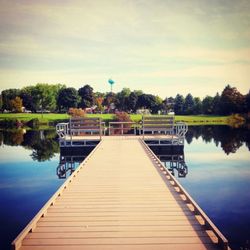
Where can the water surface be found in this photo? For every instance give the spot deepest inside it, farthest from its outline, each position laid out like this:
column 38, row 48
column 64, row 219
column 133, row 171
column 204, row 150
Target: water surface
column 214, row 168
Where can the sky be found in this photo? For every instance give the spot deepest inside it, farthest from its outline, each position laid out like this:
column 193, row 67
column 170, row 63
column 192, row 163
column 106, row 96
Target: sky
column 162, row 47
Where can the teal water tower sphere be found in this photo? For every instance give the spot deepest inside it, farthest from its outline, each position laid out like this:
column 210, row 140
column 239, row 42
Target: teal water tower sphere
column 111, row 82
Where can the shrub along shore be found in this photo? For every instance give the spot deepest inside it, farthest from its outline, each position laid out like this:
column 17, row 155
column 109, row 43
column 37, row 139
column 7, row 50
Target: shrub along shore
column 12, row 120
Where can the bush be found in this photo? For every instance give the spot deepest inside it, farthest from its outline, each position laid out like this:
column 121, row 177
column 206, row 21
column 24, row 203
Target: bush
column 74, row 112
column 122, row 117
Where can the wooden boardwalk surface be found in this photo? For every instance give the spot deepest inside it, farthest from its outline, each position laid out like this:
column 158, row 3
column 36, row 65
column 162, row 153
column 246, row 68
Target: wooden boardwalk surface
column 118, row 200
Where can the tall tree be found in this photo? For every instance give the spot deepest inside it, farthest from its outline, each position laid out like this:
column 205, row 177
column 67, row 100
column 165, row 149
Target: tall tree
column 232, row 101
column 207, row 105
column 216, row 104
column 158, row 105
column 151, row 102
column 67, row 98
column 41, row 96
column 46, row 96
column 122, row 99
column 145, row 101
column 178, row 105
column 28, row 95
column 87, row 96
column 197, row 106
column 132, row 101
column 188, row 104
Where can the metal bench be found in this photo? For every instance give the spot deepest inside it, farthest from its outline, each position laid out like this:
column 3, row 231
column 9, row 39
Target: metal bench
column 82, row 125
column 158, row 125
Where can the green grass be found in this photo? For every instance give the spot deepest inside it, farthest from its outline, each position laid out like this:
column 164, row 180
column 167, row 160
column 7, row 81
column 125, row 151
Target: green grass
column 202, row 119
column 192, row 120
column 27, row 117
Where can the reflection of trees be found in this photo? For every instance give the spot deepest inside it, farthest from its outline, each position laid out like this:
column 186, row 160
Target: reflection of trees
column 229, row 138
column 13, row 138
column 44, row 150
column 42, row 143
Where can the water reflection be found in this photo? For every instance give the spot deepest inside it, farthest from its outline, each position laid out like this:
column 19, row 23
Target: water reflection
column 173, row 159
column 43, row 143
column 70, row 158
column 229, row 139
column 175, row 163
column 65, row 166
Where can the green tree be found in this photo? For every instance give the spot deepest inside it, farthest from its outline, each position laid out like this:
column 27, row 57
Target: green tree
column 67, row 98
column 207, row 105
column 188, row 105
column 197, row 106
column 178, row 104
column 132, row 101
column 138, row 92
column 232, row 101
column 147, row 101
column 216, row 104
column 158, row 105
column 122, row 99
column 87, row 96
column 46, row 96
column 29, row 99
column 151, row 102
column 41, row 96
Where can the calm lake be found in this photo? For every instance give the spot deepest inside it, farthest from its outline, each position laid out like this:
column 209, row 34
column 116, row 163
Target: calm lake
column 214, row 169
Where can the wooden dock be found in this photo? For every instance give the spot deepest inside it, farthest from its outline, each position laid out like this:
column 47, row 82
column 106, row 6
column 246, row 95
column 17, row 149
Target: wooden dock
column 120, row 197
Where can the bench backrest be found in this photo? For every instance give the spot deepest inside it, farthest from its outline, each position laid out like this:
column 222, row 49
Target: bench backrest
column 82, row 124
column 158, row 123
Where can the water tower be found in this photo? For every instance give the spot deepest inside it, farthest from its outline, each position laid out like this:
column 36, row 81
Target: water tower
column 111, row 82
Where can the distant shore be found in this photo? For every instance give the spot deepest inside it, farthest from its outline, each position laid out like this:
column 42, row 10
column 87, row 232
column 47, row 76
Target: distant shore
column 52, row 118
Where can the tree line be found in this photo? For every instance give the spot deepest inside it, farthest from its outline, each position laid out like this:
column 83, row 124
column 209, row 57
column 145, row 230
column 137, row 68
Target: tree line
column 44, row 97
column 229, row 139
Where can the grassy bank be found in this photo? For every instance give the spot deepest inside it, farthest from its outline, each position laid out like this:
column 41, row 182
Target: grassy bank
column 190, row 119
column 48, row 118
column 43, row 118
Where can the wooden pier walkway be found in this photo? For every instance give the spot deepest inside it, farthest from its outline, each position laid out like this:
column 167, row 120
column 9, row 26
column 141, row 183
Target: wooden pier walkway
column 119, row 198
